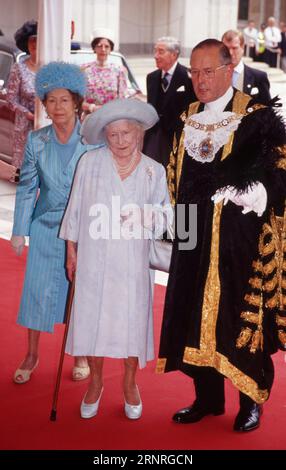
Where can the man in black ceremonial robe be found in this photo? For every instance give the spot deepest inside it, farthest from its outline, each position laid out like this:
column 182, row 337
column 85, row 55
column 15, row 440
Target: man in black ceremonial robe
column 225, row 304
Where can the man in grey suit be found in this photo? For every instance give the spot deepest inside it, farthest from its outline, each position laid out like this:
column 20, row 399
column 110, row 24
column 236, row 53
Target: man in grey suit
column 247, row 79
column 169, row 90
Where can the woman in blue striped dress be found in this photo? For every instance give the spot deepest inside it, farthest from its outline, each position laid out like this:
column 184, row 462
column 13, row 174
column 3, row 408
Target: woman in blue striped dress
column 50, row 160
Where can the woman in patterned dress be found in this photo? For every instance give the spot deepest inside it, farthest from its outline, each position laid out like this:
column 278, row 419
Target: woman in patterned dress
column 21, row 89
column 105, row 81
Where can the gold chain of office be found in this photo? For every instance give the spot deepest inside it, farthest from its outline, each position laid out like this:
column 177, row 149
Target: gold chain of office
column 212, row 127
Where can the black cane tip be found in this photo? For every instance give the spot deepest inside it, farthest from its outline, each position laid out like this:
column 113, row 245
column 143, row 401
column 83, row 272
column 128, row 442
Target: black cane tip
column 53, row 415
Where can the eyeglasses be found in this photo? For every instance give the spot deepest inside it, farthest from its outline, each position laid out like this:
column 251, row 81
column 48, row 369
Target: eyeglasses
column 206, row 73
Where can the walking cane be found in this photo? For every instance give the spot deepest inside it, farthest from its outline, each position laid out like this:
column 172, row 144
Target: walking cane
column 53, row 415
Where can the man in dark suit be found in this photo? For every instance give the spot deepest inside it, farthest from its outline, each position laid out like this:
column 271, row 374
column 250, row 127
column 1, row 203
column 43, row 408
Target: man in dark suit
column 169, row 90
column 247, row 79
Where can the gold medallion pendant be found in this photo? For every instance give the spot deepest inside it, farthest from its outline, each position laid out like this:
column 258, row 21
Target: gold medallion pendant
column 206, row 147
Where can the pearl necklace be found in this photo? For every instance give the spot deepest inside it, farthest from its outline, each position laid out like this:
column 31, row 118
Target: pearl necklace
column 126, row 170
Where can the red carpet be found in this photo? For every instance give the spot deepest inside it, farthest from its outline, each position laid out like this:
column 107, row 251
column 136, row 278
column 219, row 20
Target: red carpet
column 25, row 409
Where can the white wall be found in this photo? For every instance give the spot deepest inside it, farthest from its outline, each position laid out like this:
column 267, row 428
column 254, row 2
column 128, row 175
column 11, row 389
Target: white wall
column 207, row 19
column 142, row 22
column 13, row 13
column 138, row 23
column 91, row 14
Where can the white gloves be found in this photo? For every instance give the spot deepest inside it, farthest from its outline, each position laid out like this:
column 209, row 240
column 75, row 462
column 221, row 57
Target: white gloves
column 253, row 199
column 18, row 243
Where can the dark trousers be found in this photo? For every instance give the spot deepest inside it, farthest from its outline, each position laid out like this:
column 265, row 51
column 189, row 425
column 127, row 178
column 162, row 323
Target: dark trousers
column 209, row 386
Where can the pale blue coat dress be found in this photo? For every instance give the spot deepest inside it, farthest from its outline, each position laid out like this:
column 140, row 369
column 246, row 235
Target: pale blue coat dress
column 50, row 166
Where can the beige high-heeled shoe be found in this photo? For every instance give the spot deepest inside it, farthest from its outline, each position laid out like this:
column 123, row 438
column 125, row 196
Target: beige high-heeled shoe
column 25, row 374
column 80, row 373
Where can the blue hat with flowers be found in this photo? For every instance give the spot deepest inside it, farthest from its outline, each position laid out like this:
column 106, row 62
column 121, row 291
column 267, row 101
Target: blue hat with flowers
column 60, row 75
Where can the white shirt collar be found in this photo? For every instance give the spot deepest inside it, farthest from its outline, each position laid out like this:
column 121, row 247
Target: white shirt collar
column 239, row 67
column 171, row 70
column 219, row 104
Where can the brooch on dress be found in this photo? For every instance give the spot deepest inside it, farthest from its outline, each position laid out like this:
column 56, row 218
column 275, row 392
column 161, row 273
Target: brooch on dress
column 150, row 171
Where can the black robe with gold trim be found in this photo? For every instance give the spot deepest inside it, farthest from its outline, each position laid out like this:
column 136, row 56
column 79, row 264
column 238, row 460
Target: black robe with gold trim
column 226, row 299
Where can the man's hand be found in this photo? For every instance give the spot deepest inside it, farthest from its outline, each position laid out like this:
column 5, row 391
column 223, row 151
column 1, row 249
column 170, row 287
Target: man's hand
column 253, row 199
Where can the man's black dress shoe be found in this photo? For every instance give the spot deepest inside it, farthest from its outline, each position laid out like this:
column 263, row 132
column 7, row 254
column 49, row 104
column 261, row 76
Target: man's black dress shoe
column 195, row 412
column 248, row 420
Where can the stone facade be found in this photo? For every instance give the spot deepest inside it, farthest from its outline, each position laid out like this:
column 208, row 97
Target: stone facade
column 136, row 24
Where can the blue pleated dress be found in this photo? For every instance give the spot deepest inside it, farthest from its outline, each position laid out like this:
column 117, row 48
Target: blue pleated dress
column 49, row 166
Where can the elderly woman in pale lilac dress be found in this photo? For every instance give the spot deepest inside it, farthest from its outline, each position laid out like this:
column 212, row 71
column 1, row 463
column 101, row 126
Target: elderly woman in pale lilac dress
column 112, row 310
column 105, row 81
column 21, row 89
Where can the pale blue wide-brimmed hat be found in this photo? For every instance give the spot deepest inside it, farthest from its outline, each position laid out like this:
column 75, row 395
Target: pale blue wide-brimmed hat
column 60, row 75
column 131, row 109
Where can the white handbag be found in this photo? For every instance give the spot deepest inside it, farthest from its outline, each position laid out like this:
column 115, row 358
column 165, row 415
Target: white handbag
column 160, row 255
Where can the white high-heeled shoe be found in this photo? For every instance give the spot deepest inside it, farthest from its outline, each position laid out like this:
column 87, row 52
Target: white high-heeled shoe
column 88, row 410
column 133, row 411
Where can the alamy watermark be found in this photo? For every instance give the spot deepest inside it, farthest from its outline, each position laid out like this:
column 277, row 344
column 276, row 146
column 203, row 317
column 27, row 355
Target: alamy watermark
column 130, row 221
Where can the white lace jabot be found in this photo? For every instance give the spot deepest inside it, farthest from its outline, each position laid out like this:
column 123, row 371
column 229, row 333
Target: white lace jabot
column 207, row 132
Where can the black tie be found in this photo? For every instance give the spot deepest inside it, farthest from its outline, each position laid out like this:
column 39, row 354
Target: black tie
column 165, row 81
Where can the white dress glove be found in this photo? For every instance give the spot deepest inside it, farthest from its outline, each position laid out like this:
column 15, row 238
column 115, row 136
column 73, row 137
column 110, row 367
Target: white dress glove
column 253, row 199
column 18, row 243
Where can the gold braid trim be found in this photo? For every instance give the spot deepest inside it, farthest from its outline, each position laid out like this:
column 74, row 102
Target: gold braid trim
column 255, row 282
column 244, row 337
column 257, row 266
column 240, row 103
column 246, row 333
column 281, row 321
column 273, row 301
column 243, row 382
column 282, row 150
column 266, row 249
column 257, row 340
column 282, row 162
column 269, row 267
column 180, row 158
column 171, row 171
column 269, row 286
column 252, row 299
column 160, row 366
column 250, row 317
column 278, row 225
column 282, row 337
